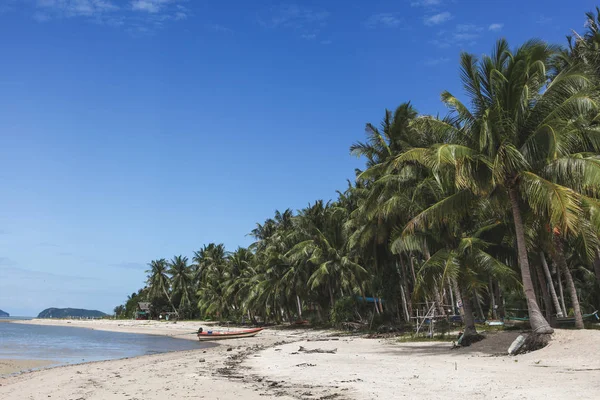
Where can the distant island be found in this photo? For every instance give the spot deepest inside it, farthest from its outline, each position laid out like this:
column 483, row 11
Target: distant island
column 70, row 313
column 4, row 314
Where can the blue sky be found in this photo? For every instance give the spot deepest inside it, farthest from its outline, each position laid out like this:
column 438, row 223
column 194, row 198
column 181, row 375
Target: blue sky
column 139, row 129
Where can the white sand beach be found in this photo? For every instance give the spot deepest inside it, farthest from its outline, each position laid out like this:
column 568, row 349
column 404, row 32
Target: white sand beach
column 270, row 365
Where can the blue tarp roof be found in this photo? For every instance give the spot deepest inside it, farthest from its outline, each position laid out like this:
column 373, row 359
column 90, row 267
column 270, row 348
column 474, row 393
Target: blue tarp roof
column 370, row 299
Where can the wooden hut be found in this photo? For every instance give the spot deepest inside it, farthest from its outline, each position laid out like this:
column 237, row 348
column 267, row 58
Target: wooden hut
column 143, row 310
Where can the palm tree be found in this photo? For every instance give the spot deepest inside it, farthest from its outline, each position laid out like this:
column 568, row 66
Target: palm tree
column 181, row 280
column 518, row 139
column 326, row 248
column 158, row 280
column 212, row 272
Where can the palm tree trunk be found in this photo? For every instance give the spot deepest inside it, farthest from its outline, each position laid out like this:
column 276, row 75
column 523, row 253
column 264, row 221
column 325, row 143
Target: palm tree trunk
column 597, row 266
column 412, row 269
column 492, row 299
column 545, row 294
column 561, row 293
column 438, row 302
column 299, row 304
column 331, row 296
column 574, row 299
column 403, row 284
column 404, row 304
column 559, row 311
column 562, row 263
column 407, row 293
column 461, row 308
column 169, row 298
column 536, row 319
column 469, row 320
column 500, row 302
column 481, row 313
column 451, row 297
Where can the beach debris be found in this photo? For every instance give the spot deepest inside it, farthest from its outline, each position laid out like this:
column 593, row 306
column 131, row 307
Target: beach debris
column 306, row 365
column 516, row 345
column 202, row 360
column 305, row 350
column 525, row 344
column 229, row 348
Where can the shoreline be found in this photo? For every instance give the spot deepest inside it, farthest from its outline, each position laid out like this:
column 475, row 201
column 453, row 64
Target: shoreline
column 177, row 329
column 273, row 365
column 10, row 366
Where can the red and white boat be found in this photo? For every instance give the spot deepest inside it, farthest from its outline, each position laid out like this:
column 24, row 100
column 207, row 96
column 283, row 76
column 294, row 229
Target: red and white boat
column 216, row 335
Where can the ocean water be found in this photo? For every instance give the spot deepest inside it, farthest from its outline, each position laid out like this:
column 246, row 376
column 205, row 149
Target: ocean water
column 66, row 345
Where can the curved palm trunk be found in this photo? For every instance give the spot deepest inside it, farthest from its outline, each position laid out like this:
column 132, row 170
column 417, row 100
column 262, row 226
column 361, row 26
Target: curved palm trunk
column 479, row 308
column 545, row 294
column 562, row 263
column 536, row 319
column 574, row 299
column 169, row 298
column 559, row 312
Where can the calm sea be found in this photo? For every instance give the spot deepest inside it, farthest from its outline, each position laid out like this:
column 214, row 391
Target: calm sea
column 66, row 345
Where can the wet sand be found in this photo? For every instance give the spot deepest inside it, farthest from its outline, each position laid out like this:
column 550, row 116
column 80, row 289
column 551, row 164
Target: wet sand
column 10, row 366
column 271, row 365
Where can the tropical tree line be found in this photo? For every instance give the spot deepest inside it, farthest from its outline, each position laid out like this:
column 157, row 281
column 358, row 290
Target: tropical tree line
column 490, row 210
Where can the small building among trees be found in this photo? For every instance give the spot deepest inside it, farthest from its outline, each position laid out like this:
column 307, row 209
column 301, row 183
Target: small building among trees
column 143, row 310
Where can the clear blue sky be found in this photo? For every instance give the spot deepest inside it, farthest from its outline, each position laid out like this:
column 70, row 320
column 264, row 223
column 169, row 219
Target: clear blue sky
column 139, row 129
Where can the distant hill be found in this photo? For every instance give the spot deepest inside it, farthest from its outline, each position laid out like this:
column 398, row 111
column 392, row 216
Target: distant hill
column 4, row 314
column 70, row 312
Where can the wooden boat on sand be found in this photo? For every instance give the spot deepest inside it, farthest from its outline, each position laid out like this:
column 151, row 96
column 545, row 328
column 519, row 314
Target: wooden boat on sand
column 217, row 335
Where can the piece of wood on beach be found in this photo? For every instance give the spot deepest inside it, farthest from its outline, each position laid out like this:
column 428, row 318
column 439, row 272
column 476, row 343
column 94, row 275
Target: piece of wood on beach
column 305, row 350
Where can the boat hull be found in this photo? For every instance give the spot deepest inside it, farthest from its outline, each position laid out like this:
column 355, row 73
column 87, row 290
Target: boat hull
column 206, row 336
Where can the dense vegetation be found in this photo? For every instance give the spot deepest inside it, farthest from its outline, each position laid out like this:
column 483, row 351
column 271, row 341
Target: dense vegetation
column 70, row 313
column 494, row 206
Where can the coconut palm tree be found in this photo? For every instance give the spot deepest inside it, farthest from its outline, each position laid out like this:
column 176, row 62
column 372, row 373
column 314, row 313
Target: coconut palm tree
column 158, row 280
column 181, row 280
column 212, row 272
column 518, row 135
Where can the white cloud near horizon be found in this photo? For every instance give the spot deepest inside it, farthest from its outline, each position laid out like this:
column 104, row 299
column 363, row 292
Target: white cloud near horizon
column 150, row 6
column 495, row 27
column 78, row 8
column 461, row 35
column 425, row 3
column 431, row 62
column 386, row 20
column 306, row 22
column 139, row 16
column 437, row 19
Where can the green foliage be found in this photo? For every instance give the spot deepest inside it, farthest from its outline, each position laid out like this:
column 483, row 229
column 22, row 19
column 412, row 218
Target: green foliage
column 448, row 209
column 344, row 310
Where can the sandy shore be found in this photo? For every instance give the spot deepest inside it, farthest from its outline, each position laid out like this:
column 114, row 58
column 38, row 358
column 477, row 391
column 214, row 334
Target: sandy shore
column 271, row 365
column 10, row 366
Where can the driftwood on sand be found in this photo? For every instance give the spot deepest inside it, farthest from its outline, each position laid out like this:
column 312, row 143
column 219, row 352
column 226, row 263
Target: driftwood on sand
column 305, row 350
